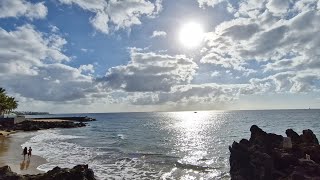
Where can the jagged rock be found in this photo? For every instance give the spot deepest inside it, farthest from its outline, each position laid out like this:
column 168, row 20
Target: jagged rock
column 308, row 137
column 263, row 157
column 240, row 161
column 79, row 172
column 37, row 125
column 7, row 174
column 264, row 140
column 295, row 138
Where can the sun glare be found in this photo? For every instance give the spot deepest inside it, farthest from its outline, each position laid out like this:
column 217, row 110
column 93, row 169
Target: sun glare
column 191, row 35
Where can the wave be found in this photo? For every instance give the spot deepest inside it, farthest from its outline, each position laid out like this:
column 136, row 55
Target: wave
column 56, row 149
column 195, row 167
column 60, row 150
column 146, row 155
column 121, row 136
column 191, row 171
column 109, row 160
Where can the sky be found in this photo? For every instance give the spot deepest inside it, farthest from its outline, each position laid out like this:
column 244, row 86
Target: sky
column 65, row 56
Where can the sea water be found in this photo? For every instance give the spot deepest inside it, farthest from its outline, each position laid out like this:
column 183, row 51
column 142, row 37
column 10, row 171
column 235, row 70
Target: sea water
column 161, row 145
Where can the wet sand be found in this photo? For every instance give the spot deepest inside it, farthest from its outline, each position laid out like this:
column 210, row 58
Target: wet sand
column 5, row 133
column 11, row 155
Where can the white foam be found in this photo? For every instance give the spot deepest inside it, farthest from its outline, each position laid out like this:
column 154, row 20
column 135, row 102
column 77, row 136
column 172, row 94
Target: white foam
column 187, row 174
column 52, row 146
column 121, row 136
column 57, row 149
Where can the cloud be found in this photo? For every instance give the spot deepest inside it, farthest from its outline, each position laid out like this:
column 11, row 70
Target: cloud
column 115, row 14
column 150, row 72
column 193, row 95
column 269, row 46
column 87, row 68
column 275, row 43
column 262, row 46
column 31, row 65
column 158, row 34
column 290, row 81
column 278, row 6
column 54, row 29
column 238, row 29
column 215, row 74
column 160, row 79
column 203, row 3
column 100, row 22
column 85, row 50
column 54, row 82
column 27, row 46
column 18, row 8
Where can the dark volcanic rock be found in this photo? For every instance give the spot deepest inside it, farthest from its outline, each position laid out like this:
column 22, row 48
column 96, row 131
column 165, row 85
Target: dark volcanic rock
column 308, row 137
column 6, row 173
column 266, row 141
column 77, row 119
column 295, row 138
column 79, row 172
column 37, row 125
column 264, row 158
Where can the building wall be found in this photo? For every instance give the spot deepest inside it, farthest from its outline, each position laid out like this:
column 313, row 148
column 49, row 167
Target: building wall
column 19, row 119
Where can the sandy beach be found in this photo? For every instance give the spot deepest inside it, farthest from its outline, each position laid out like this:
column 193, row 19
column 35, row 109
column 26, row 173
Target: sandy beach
column 5, row 133
column 11, row 155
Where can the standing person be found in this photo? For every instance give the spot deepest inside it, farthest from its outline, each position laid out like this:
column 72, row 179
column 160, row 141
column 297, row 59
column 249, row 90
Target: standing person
column 25, row 152
column 29, row 152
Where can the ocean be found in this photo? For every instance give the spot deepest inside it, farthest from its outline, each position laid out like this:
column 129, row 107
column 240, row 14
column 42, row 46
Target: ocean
column 161, row 145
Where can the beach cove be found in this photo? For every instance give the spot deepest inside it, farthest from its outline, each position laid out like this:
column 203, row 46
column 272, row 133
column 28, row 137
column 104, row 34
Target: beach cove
column 11, row 154
column 162, row 145
column 13, row 138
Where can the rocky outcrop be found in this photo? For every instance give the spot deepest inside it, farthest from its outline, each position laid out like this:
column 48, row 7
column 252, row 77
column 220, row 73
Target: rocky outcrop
column 38, row 125
column 79, row 172
column 265, row 156
column 77, row 118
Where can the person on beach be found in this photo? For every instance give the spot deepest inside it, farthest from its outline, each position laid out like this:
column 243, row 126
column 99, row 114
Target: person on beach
column 25, row 152
column 29, row 152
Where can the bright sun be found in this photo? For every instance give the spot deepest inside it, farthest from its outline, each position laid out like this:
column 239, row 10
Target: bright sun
column 191, row 35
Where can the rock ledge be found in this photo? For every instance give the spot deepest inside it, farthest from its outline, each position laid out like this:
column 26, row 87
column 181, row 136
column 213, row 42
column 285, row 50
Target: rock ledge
column 38, row 125
column 267, row 156
column 79, row 172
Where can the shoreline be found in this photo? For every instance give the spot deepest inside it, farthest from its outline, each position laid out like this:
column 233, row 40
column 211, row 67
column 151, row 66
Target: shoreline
column 10, row 154
column 6, row 133
column 11, row 141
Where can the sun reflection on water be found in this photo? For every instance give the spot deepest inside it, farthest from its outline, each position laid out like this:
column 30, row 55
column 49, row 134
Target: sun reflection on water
column 193, row 143
column 191, row 120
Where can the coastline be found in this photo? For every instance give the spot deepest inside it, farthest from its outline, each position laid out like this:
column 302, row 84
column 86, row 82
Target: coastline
column 11, row 141
column 6, row 133
column 10, row 154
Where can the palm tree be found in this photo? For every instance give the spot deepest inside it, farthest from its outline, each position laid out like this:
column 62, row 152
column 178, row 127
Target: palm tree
column 7, row 103
column 2, row 100
column 2, row 90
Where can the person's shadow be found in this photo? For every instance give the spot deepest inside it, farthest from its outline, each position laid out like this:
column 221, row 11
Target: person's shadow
column 22, row 165
column 27, row 164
